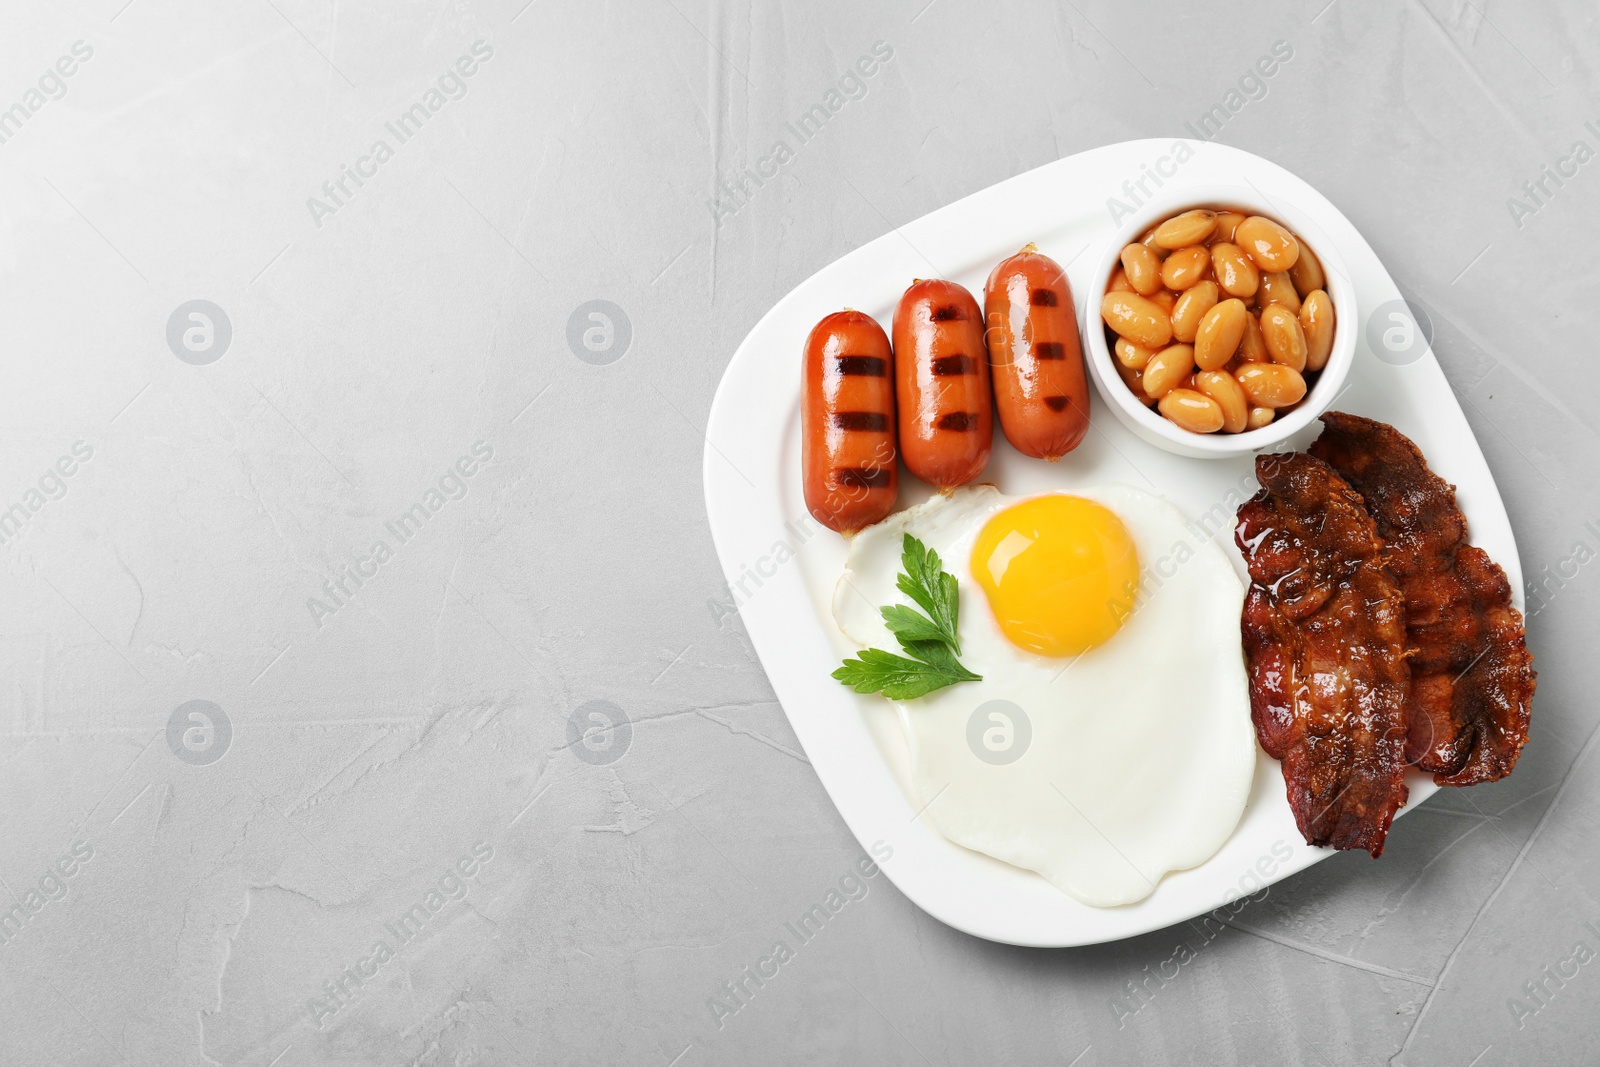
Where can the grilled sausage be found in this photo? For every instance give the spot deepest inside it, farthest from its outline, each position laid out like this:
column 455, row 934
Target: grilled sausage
column 847, row 459
column 942, row 384
column 1034, row 353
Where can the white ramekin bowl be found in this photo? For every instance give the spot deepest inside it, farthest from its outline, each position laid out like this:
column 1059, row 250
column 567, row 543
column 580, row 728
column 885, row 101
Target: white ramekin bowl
column 1148, row 423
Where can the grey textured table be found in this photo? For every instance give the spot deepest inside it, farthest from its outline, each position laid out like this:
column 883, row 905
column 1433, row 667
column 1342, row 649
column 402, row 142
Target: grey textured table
column 399, row 511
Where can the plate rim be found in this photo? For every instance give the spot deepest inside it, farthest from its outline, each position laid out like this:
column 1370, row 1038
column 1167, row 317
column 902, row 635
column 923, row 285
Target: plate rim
column 721, row 477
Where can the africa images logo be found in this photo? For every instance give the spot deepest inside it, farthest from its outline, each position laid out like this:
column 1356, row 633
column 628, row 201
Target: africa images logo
column 51, row 85
column 410, row 925
column 199, row 332
column 450, row 86
column 347, row 583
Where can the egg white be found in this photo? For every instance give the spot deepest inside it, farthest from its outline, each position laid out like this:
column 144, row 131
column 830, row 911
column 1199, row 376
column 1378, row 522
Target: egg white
column 1141, row 752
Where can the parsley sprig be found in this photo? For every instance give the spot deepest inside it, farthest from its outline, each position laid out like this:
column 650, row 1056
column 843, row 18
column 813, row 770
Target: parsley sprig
column 929, row 640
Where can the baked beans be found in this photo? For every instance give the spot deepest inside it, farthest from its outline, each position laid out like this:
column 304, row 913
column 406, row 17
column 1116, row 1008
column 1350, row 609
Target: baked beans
column 1137, row 318
column 1167, row 369
column 1191, row 308
column 1221, row 319
column 1271, row 385
column 1189, row 228
column 1142, row 268
column 1316, row 319
column 1192, row 410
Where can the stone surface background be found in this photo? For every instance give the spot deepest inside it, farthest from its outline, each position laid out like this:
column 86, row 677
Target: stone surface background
column 183, row 909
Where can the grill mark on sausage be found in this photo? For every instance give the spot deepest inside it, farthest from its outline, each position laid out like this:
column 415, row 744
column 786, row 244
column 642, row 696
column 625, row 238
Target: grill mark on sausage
column 949, row 313
column 1050, row 350
column 860, row 420
column 1057, row 403
column 864, row 366
column 961, row 421
column 951, row 366
column 1042, row 298
column 861, row 478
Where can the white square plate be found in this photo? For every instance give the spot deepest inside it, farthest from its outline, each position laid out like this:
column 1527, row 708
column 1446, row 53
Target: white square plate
column 782, row 566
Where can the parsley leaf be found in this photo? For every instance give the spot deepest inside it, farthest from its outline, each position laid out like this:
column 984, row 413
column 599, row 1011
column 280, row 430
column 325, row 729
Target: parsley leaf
column 899, row 678
column 934, row 591
column 929, row 640
column 909, row 625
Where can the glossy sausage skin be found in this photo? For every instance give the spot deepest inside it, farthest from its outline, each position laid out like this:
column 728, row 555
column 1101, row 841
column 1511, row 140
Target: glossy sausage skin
column 942, row 384
column 847, row 457
column 1040, row 393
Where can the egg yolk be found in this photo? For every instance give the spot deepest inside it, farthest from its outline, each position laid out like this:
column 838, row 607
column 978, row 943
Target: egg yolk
column 1061, row 573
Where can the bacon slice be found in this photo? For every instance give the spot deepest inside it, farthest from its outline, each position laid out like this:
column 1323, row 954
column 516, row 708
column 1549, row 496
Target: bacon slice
column 1472, row 676
column 1324, row 639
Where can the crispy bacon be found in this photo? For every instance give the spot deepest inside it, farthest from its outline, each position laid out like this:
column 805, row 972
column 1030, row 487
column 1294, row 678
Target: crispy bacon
column 1472, row 676
column 1324, row 638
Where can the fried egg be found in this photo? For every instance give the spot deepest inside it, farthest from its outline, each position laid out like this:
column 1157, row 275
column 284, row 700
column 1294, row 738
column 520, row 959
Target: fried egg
column 1109, row 740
